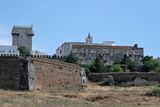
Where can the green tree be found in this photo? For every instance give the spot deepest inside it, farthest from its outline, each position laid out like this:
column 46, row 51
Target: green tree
column 147, row 58
column 151, row 64
column 97, row 66
column 87, row 69
column 24, row 51
column 131, row 65
column 71, row 58
column 116, row 68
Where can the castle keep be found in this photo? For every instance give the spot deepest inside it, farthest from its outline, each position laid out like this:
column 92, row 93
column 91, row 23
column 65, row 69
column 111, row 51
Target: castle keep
column 22, row 36
column 87, row 51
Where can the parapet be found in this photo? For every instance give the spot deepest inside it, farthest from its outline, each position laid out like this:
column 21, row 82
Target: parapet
column 17, row 29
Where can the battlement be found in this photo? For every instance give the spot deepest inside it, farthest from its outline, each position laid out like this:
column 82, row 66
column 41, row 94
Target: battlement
column 22, row 36
column 34, row 56
column 17, row 29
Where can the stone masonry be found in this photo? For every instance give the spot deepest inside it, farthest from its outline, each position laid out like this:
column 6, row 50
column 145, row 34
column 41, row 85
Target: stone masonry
column 22, row 36
column 20, row 73
column 13, row 73
column 87, row 51
column 50, row 74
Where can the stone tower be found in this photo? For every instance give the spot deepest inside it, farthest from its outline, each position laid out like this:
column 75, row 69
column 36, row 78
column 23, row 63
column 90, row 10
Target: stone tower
column 22, row 36
column 89, row 39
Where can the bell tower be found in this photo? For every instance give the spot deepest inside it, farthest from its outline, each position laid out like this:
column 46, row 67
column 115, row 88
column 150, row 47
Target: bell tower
column 89, row 39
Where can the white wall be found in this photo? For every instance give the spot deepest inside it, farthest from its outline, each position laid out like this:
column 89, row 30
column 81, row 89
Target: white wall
column 4, row 49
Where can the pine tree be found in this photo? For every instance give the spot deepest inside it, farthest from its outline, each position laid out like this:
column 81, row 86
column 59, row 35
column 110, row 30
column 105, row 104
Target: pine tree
column 97, row 66
column 71, row 58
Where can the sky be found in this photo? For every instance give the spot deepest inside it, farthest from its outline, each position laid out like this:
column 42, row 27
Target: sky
column 56, row 21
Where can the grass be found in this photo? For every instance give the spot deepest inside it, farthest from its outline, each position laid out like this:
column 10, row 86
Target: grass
column 92, row 96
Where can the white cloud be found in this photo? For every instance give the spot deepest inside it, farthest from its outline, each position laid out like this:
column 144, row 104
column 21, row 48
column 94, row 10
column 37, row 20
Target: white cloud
column 5, row 37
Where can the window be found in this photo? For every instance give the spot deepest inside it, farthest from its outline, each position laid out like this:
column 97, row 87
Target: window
column 60, row 51
column 9, row 51
column 2, row 51
column 89, row 50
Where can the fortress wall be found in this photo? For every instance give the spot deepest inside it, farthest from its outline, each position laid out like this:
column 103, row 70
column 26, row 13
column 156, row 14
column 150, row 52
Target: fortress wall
column 37, row 74
column 51, row 74
column 13, row 73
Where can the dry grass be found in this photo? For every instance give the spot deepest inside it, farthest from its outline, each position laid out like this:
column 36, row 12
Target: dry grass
column 92, row 96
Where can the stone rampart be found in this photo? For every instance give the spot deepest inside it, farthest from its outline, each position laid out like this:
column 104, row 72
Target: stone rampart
column 13, row 73
column 51, row 73
column 36, row 73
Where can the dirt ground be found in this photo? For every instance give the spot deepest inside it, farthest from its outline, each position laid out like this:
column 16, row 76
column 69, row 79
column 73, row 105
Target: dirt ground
column 91, row 96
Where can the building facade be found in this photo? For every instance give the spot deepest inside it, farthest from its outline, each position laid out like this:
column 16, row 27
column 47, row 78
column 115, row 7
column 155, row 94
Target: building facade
column 11, row 50
column 22, row 36
column 87, row 51
column 38, row 53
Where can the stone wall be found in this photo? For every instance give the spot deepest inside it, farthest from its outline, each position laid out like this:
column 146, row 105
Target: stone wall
column 38, row 74
column 22, row 36
column 124, row 77
column 51, row 74
column 109, row 54
column 13, row 73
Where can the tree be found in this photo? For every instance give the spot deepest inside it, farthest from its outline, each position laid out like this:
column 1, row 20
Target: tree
column 87, row 69
column 116, row 68
column 147, row 58
column 151, row 64
column 71, row 58
column 24, row 51
column 131, row 65
column 97, row 66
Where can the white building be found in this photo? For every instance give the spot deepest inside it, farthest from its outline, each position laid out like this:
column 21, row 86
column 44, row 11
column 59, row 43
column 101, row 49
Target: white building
column 4, row 49
column 38, row 53
column 109, row 43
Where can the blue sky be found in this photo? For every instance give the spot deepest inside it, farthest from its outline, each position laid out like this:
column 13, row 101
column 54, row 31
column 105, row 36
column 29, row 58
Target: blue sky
column 56, row 21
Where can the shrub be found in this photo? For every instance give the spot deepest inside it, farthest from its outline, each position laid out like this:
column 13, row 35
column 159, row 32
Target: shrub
column 24, row 51
column 131, row 65
column 147, row 58
column 116, row 68
column 151, row 64
column 157, row 69
column 155, row 92
column 107, row 68
column 87, row 69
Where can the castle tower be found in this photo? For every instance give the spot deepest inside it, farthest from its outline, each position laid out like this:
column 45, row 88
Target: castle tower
column 22, row 36
column 89, row 39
